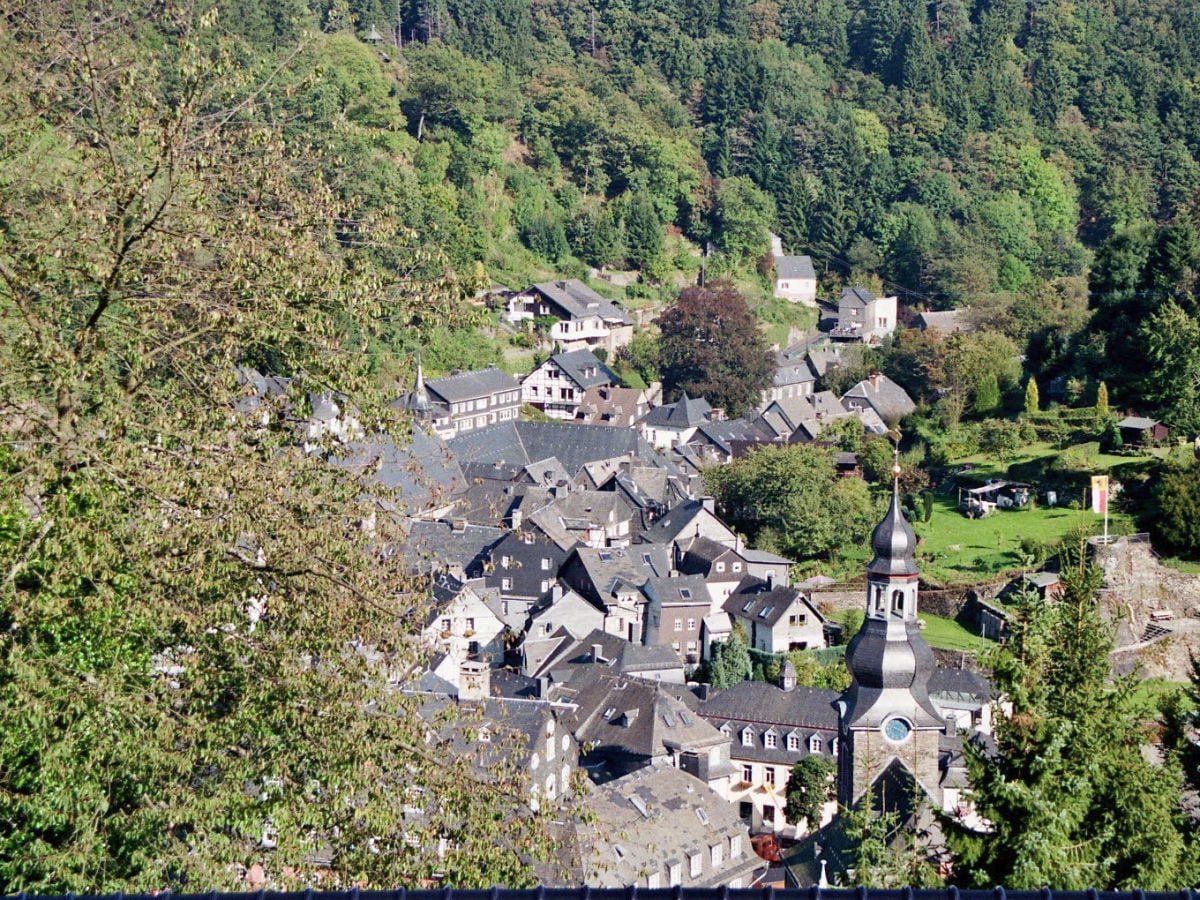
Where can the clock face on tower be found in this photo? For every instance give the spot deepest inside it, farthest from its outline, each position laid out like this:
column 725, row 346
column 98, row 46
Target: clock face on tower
column 897, row 729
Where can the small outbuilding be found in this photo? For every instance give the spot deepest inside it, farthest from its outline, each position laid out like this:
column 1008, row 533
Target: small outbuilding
column 1137, row 431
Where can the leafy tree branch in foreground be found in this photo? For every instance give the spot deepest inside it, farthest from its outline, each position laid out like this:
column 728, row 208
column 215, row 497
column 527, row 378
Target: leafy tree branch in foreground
column 183, row 588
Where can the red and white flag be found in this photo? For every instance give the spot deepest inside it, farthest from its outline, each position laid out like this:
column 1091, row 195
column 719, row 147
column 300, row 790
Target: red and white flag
column 1100, row 494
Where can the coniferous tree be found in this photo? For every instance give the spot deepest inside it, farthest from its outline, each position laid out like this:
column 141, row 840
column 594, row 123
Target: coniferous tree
column 1072, row 801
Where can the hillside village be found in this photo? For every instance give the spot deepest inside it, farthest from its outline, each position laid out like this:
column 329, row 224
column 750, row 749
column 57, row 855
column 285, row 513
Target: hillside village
column 483, row 444
column 579, row 579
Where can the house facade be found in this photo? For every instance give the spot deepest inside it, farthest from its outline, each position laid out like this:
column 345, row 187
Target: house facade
column 464, row 401
column 796, row 279
column 559, row 385
column 776, row 618
column 863, row 317
column 771, row 728
column 584, row 319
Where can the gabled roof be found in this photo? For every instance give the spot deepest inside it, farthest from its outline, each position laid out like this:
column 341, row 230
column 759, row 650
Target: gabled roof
column 678, row 590
column 422, row 472
column 822, row 359
column 856, row 296
column 701, row 553
column 471, row 385
column 949, row 321
column 753, row 599
column 579, row 301
column 582, row 367
column 677, row 520
column 655, row 818
column 520, row 443
column 794, row 267
column 632, row 566
column 883, row 395
column 763, row 704
column 433, row 544
column 686, row 412
column 724, row 433
column 629, row 715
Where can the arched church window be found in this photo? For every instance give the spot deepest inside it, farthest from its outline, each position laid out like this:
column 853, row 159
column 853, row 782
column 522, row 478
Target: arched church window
column 898, row 602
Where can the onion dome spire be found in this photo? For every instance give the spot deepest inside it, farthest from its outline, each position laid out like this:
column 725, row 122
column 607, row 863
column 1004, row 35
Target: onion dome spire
column 893, row 539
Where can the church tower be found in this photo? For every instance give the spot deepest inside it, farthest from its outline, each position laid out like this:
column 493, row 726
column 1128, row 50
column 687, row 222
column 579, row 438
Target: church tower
column 887, row 722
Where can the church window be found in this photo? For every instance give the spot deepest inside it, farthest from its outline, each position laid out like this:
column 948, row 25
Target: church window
column 898, row 602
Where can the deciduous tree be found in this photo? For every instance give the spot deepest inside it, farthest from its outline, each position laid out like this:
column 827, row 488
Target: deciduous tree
column 710, row 347
column 190, row 603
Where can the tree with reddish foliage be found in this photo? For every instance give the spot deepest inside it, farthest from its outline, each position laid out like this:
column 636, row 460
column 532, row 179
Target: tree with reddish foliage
column 711, row 347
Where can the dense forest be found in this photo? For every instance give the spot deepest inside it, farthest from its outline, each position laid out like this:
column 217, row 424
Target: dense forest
column 1038, row 159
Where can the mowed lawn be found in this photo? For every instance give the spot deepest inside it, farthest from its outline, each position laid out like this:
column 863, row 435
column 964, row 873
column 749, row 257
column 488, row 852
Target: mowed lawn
column 954, row 550
column 939, row 632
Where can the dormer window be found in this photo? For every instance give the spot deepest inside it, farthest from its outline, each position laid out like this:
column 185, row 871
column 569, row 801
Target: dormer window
column 793, row 743
column 770, row 740
column 747, row 737
column 815, row 744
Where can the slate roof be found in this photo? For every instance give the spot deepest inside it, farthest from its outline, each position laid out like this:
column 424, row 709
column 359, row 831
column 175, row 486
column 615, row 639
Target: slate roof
column 724, row 433
column 501, row 715
column 524, row 573
column 618, row 656
column 605, row 567
column 883, row 395
column 520, row 443
column 580, row 301
column 422, row 472
column 677, row 520
column 822, row 359
column 794, row 267
column 686, row 412
column 653, row 819
column 804, row 711
column 856, row 296
column 257, row 387
column 471, row 385
column 582, row 367
column 493, row 502
column 700, row 555
column 948, row 321
column 752, row 555
column 669, row 590
column 631, row 716
column 753, row 599
column 432, row 544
